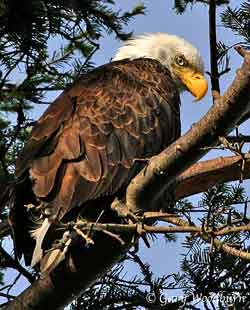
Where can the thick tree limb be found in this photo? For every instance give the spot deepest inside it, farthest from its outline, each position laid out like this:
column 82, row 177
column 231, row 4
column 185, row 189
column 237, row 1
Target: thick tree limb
column 203, row 175
column 84, row 266
column 78, row 271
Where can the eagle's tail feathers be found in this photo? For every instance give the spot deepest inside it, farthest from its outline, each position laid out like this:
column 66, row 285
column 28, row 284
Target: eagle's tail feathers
column 39, row 234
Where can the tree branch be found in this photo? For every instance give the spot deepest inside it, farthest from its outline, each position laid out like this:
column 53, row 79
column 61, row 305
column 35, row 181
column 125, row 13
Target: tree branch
column 12, row 263
column 203, row 175
column 240, row 139
column 213, row 47
column 4, row 229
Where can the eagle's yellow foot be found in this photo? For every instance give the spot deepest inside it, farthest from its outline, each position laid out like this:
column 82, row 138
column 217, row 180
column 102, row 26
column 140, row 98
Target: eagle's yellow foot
column 122, row 211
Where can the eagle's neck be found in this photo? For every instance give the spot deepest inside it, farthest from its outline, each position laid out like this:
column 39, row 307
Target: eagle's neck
column 146, row 46
column 153, row 46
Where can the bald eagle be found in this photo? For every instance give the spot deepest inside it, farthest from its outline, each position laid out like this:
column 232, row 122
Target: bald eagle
column 91, row 141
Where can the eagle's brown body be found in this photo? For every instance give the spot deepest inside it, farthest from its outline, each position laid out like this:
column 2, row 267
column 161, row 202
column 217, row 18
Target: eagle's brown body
column 90, row 141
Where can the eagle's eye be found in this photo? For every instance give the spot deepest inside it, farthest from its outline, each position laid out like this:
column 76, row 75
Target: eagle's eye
column 180, row 60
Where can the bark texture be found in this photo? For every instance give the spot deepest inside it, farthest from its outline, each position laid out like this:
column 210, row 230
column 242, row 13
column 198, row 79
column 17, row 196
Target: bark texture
column 203, row 175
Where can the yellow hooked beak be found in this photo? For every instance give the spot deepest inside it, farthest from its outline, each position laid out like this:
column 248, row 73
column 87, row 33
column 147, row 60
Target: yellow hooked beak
column 195, row 83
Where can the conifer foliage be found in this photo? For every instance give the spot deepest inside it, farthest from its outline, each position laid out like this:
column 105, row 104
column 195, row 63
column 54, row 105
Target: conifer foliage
column 30, row 67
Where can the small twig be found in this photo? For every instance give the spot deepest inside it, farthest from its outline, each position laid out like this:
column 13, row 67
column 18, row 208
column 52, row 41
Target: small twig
column 224, row 72
column 12, row 263
column 241, row 51
column 238, row 139
column 85, row 237
column 13, row 283
column 116, row 237
column 4, row 287
column 8, row 296
column 237, row 150
column 12, row 67
column 231, row 230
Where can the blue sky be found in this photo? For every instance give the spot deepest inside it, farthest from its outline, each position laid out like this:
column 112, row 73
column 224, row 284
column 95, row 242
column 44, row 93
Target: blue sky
column 193, row 26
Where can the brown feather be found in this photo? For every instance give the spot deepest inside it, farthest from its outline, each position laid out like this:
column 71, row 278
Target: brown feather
column 88, row 142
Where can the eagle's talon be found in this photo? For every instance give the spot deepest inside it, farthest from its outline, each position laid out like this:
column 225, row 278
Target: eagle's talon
column 122, row 211
column 30, row 206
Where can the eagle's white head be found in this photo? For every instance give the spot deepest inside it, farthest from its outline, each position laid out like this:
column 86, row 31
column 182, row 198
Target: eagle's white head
column 181, row 58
